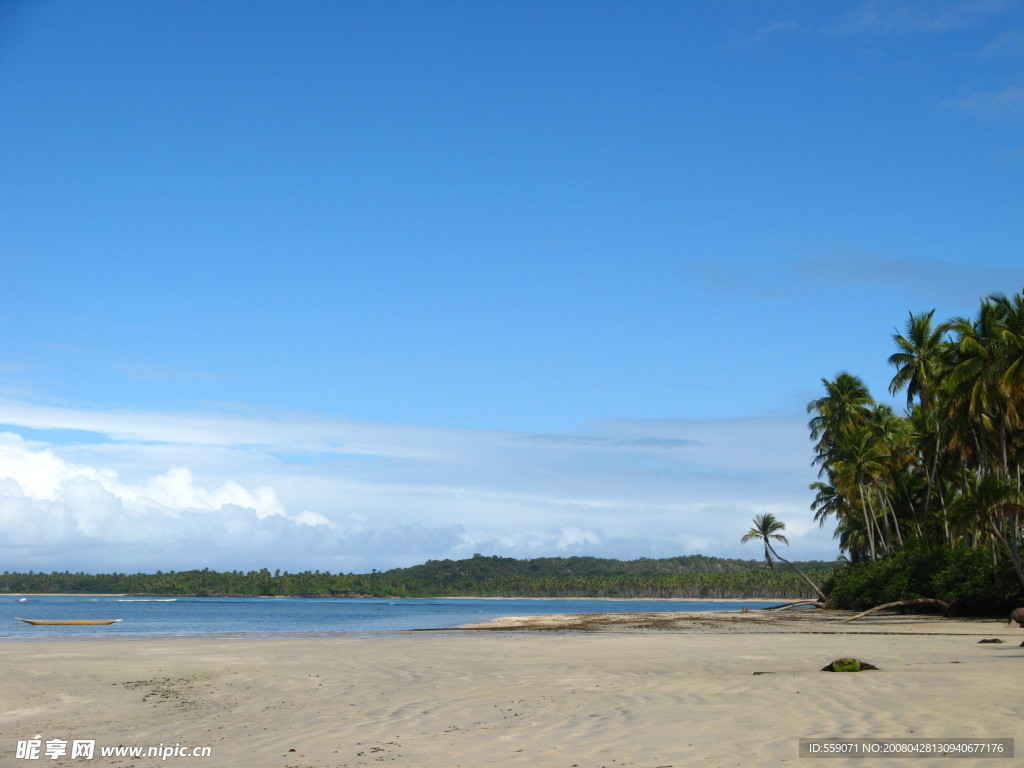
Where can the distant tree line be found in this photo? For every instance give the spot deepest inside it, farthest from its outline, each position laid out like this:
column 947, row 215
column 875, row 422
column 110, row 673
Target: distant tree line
column 694, row 576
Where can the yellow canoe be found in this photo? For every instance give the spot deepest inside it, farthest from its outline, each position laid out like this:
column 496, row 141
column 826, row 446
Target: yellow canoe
column 63, row 622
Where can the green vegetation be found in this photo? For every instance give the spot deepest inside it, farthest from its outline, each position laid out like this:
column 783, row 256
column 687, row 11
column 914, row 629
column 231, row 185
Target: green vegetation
column 691, row 576
column 966, row 578
column 846, row 665
column 930, row 503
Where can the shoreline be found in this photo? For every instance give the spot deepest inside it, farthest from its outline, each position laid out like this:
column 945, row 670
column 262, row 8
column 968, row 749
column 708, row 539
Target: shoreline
column 429, row 597
column 631, row 599
column 717, row 694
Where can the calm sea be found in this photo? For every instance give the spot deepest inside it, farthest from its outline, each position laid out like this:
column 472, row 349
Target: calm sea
column 255, row 615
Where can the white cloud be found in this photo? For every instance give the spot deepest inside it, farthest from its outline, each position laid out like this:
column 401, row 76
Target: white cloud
column 176, row 489
column 844, row 268
column 194, row 490
column 993, row 104
column 60, row 510
column 771, row 32
column 927, row 16
column 1008, row 44
column 775, row 29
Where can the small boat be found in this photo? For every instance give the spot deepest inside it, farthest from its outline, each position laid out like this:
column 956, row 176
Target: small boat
column 66, row 622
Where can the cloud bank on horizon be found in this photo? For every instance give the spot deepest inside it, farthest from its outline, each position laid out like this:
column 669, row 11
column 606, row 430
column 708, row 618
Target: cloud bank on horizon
column 303, row 492
column 345, row 286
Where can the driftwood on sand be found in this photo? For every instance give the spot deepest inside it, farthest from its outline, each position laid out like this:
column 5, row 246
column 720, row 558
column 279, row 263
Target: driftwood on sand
column 795, row 604
column 900, row 604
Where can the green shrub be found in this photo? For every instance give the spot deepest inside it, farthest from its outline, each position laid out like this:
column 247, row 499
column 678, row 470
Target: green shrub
column 968, row 579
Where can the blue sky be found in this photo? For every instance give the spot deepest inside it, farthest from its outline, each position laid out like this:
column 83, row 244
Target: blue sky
column 353, row 285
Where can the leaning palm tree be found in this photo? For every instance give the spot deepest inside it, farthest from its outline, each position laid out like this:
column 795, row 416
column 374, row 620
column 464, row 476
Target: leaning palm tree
column 767, row 527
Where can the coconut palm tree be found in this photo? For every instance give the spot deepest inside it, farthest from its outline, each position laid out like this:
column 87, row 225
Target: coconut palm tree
column 844, row 407
column 949, row 471
column 767, row 528
column 856, row 473
column 827, row 502
column 921, row 357
column 991, row 504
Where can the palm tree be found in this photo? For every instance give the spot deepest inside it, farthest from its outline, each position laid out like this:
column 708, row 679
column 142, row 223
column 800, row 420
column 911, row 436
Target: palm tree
column 850, row 534
column 855, row 474
column 920, row 358
column 950, row 471
column 975, row 402
column 767, row 528
column 828, row 501
column 844, row 407
column 991, row 504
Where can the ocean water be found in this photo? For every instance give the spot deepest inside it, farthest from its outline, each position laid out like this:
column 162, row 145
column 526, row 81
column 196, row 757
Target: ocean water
column 292, row 615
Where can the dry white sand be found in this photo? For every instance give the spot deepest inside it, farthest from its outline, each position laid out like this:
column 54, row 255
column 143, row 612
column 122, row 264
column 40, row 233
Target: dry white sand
column 728, row 692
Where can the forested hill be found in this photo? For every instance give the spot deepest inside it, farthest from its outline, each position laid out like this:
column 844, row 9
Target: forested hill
column 684, row 576
column 688, row 576
column 480, row 565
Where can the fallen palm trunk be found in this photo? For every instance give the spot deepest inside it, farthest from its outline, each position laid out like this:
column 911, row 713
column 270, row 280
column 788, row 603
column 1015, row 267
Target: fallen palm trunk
column 900, row 604
column 795, row 604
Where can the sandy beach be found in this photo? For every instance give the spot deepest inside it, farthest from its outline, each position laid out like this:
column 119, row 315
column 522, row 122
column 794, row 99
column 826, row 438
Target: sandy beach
column 622, row 690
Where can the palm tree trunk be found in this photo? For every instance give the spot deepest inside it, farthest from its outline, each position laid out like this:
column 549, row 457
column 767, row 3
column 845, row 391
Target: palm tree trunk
column 1010, row 547
column 801, row 573
column 892, row 514
column 868, row 523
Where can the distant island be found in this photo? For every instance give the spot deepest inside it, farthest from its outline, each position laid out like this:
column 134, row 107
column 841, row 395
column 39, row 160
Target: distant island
column 689, row 576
